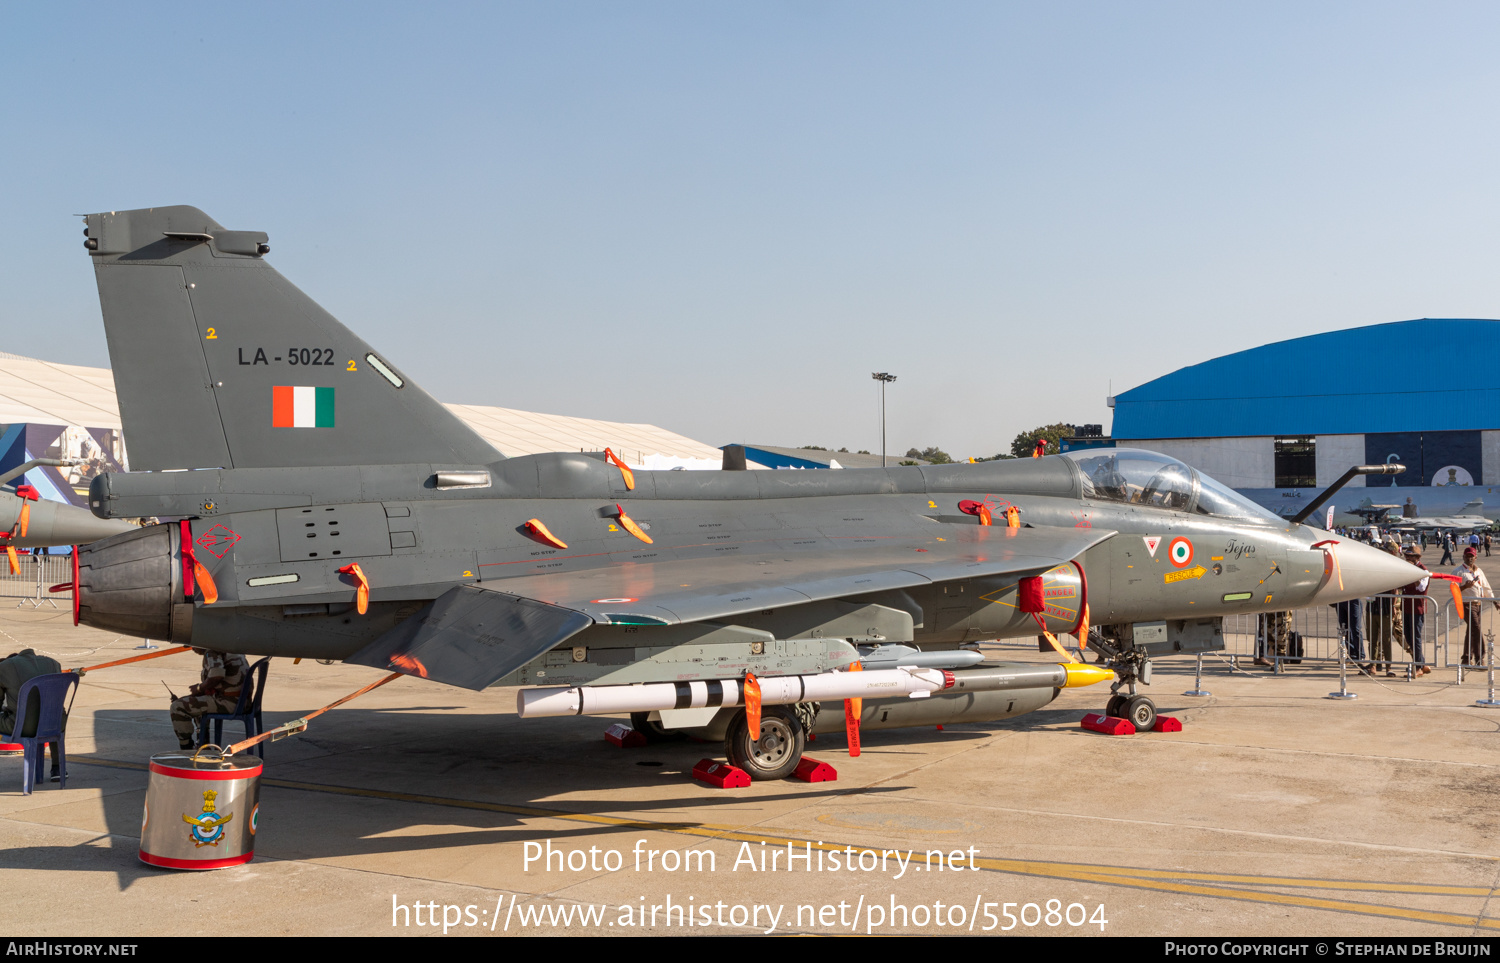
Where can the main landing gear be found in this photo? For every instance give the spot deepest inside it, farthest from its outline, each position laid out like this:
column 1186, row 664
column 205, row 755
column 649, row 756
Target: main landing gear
column 653, row 730
column 778, row 750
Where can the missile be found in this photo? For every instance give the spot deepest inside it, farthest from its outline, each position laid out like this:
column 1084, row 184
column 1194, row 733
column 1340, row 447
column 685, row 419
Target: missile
column 910, row 681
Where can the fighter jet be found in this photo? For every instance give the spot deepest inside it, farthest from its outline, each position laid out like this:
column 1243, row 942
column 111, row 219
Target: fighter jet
column 325, row 506
column 35, row 522
column 1372, row 514
column 1470, row 518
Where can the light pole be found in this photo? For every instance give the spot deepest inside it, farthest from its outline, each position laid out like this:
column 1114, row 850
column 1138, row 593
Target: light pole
column 885, row 378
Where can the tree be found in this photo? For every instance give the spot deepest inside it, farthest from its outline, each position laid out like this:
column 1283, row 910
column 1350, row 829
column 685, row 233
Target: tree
column 1025, row 442
column 933, row 456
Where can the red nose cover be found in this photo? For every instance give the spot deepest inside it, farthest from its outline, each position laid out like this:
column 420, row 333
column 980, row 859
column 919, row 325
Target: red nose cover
column 1029, row 595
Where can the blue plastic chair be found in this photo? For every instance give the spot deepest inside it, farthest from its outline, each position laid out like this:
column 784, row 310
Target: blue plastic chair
column 39, row 720
column 246, row 710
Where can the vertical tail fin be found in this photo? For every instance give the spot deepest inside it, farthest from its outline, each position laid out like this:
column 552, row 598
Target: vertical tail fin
column 220, row 362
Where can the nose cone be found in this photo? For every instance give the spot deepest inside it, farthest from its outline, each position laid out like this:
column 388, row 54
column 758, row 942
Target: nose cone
column 1366, row 571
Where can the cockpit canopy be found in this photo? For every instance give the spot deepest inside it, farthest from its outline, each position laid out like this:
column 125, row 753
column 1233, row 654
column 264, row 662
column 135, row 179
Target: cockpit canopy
column 1152, row 480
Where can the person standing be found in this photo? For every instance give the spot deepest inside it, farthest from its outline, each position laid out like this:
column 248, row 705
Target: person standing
column 1272, row 636
column 1487, row 541
column 1351, row 622
column 1447, row 558
column 1414, row 613
column 1476, row 590
column 1382, row 631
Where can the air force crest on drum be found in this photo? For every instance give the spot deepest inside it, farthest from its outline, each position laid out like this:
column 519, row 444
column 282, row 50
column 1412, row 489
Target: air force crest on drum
column 208, row 826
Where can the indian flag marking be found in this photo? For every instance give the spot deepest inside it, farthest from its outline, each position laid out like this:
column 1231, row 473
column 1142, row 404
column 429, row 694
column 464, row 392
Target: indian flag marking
column 300, row 406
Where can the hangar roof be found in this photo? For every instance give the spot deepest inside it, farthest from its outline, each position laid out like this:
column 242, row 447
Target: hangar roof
column 1426, row 375
column 516, row 432
column 47, row 393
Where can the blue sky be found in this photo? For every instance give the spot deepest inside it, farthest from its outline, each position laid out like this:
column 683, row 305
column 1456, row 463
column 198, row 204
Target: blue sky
column 720, row 218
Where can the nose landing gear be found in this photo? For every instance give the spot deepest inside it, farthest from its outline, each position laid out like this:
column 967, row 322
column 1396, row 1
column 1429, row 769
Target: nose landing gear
column 1131, row 667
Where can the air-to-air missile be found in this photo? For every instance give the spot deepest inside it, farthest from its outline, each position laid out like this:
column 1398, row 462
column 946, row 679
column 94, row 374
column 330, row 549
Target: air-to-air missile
column 336, row 511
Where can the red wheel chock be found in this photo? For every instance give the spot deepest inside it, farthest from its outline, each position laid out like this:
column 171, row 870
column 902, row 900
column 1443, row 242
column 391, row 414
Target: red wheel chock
column 1109, row 725
column 1167, row 724
column 624, row 737
column 812, row 770
column 720, row 775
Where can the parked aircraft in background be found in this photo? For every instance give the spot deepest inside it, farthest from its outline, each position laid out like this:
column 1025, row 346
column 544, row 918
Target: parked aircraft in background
column 1356, row 505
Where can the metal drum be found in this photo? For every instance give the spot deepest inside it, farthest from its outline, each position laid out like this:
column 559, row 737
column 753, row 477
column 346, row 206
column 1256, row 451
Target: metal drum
column 201, row 810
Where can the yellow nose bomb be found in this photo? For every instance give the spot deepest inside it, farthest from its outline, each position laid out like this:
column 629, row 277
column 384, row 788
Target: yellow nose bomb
column 1082, row 674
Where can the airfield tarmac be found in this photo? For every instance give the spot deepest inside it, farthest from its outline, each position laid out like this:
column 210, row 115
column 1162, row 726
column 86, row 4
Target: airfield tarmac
column 1275, row 812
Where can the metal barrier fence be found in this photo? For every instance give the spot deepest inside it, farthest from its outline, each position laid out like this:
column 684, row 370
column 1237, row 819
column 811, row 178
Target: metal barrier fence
column 38, row 573
column 1384, row 643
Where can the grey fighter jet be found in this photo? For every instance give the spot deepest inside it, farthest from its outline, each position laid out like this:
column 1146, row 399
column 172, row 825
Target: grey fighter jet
column 327, row 507
column 1470, row 518
column 35, row 522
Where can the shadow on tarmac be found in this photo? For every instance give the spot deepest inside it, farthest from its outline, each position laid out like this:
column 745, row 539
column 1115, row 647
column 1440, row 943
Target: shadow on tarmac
column 371, row 782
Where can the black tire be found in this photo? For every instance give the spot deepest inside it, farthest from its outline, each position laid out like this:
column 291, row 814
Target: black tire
column 1141, row 712
column 654, row 731
column 1116, row 706
column 778, row 750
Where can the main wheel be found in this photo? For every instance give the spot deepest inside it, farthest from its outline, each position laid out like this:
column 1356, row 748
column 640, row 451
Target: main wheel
column 653, row 730
column 1141, row 712
column 1116, row 706
column 778, row 750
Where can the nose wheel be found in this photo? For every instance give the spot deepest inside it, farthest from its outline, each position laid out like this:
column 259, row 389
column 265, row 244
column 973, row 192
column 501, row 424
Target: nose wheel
column 1141, row 712
column 1139, row 709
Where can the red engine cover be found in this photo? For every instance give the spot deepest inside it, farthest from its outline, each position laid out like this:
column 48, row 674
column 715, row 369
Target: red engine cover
column 1029, row 595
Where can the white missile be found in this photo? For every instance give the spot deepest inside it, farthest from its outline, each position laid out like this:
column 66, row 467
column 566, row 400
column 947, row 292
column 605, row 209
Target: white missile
column 909, row 681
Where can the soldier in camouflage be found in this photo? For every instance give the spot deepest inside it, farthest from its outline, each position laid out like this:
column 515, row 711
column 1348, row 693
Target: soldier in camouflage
column 218, row 690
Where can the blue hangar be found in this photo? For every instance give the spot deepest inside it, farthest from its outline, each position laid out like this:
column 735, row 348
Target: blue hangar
column 1282, row 421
